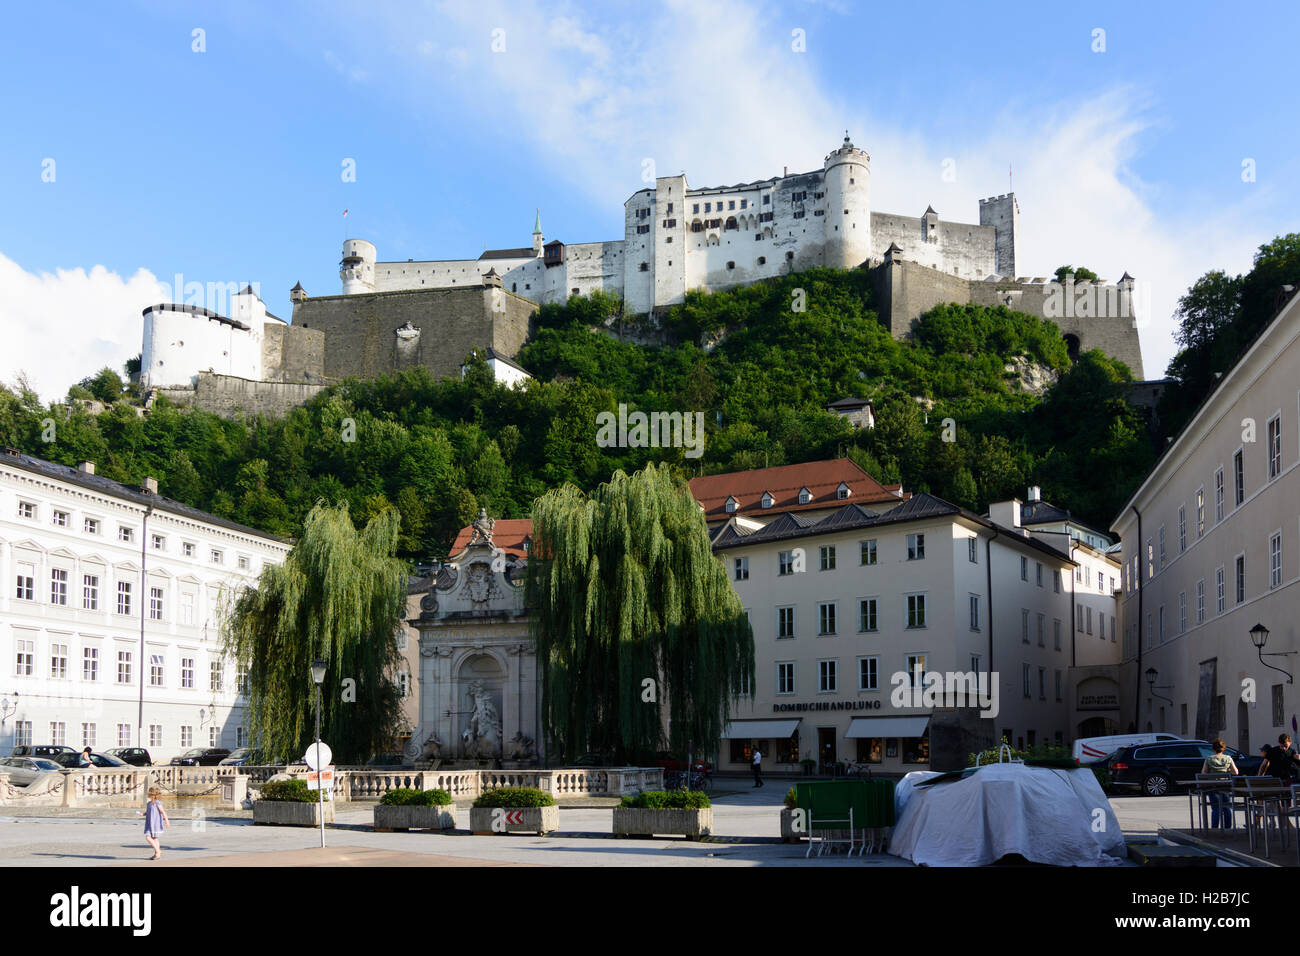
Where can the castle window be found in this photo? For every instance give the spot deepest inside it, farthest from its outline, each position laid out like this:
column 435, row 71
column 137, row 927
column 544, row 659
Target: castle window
column 789, row 256
column 767, row 200
column 819, row 212
column 798, row 214
column 670, row 209
column 731, row 265
column 670, row 223
column 642, row 230
column 514, row 287
column 762, row 260
column 731, row 224
column 818, row 195
column 695, row 208
column 697, row 226
column 764, row 216
column 645, row 267
column 669, row 239
column 799, row 196
column 744, row 203
column 758, row 236
column 732, row 204
column 708, row 207
column 574, row 291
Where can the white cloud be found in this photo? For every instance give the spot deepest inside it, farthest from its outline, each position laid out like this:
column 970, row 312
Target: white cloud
column 63, row 327
column 716, row 90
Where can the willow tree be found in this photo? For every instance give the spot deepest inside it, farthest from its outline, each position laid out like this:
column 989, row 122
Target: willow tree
column 636, row 623
column 339, row 596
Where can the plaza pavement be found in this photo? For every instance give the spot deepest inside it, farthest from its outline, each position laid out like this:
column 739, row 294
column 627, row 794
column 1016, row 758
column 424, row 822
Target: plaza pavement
column 746, row 833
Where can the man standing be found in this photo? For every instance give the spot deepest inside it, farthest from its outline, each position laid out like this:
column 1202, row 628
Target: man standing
column 756, row 765
column 1281, row 760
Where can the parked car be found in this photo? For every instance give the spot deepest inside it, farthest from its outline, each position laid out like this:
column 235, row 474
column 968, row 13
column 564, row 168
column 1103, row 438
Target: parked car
column 71, row 761
column 25, row 770
column 1090, row 750
column 42, row 750
column 135, row 756
column 201, row 757
column 1156, row 769
column 238, row 757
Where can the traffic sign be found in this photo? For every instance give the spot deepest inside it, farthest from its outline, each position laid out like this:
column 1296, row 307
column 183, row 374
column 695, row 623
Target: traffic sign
column 318, row 755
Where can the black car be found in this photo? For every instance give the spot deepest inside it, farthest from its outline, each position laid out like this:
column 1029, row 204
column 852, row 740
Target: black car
column 135, row 756
column 48, row 751
column 72, row 761
column 1156, row 769
column 201, row 757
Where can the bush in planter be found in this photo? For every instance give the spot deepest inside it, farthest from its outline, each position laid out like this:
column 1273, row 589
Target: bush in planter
column 289, row 791
column 406, row 797
column 667, row 800
column 515, row 797
column 790, row 799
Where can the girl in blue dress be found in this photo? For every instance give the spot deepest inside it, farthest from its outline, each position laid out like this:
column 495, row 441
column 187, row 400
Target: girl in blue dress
column 155, row 818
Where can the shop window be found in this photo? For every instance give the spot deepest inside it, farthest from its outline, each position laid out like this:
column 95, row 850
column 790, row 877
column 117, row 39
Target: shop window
column 916, row 749
column 871, row 749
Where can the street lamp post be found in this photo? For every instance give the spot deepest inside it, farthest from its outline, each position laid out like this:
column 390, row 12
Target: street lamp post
column 1259, row 637
column 318, row 678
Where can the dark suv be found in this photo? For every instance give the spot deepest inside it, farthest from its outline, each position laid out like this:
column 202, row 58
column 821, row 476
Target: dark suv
column 135, row 756
column 201, row 757
column 1156, row 769
column 48, row 751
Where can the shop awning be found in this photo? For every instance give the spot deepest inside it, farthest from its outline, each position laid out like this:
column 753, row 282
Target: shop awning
column 888, row 727
column 759, row 729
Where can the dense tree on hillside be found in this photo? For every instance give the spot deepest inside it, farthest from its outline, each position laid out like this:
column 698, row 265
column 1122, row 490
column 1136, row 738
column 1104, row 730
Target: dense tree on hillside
column 1079, row 272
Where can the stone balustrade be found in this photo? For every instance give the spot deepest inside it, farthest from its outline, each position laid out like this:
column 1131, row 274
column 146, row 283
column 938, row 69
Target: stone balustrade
column 129, row 786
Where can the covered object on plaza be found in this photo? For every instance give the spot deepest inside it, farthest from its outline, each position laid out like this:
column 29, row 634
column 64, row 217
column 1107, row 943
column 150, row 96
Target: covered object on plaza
column 1045, row 814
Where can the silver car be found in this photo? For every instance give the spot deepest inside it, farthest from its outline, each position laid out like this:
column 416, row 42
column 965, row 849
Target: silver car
column 25, row 770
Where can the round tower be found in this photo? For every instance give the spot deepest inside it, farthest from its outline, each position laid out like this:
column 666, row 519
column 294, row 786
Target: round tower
column 847, row 174
column 357, row 269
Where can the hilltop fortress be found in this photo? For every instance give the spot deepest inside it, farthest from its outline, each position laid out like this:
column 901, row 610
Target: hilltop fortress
column 433, row 313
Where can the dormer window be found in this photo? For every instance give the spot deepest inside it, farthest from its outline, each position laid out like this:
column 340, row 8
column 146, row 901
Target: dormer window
column 731, row 505
column 842, row 491
column 805, row 496
column 768, row 500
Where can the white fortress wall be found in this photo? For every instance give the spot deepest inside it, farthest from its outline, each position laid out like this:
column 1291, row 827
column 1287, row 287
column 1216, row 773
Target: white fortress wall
column 960, row 249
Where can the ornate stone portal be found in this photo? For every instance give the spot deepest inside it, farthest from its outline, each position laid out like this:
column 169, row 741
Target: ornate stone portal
column 478, row 682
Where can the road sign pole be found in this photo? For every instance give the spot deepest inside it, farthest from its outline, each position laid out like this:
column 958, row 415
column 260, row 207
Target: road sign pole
column 320, row 799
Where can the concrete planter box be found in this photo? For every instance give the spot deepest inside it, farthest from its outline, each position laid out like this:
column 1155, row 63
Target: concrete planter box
column 788, row 832
column 638, row 822
column 486, row 821
column 388, row 819
column 287, row 814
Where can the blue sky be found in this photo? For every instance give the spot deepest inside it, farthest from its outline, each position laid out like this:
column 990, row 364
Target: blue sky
column 225, row 165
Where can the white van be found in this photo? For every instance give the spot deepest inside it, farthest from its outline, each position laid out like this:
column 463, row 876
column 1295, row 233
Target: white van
column 1091, row 749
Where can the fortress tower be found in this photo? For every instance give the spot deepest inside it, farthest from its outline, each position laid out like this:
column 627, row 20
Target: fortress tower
column 1003, row 214
column 357, row 268
column 848, row 206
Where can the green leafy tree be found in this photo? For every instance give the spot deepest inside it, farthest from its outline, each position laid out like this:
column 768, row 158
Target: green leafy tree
column 339, row 596
column 106, row 385
column 635, row 621
column 1079, row 272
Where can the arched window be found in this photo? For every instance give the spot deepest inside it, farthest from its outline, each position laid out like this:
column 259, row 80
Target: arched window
column 730, row 224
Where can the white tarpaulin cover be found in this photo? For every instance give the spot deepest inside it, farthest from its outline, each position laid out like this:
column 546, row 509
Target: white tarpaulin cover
column 1046, row 815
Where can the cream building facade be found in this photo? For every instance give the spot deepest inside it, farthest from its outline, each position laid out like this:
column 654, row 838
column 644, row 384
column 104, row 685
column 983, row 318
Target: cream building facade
column 1211, row 548
column 111, row 615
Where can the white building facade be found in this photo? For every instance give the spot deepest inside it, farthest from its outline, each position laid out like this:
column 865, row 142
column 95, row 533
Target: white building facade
column 111, row 614
column 1211, row 548
column 677, row 238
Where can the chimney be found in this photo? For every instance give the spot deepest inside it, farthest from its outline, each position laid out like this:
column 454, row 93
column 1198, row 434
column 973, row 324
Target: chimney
column 86, row 467
column 785, row 171
column 1035, row 493
column 150, row 486
column 1006, row 513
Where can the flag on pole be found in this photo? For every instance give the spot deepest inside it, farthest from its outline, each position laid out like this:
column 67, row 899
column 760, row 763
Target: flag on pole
column 345, row 214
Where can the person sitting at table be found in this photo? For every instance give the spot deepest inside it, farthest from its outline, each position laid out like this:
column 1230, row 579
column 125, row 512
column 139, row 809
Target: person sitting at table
column 1281, row 761
column 1219, row 762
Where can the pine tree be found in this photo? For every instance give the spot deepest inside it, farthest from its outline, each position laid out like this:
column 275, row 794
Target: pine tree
column 634, row 618
column 341, row 596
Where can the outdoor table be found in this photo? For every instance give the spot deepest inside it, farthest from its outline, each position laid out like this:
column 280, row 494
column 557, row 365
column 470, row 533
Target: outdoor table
column 1262, row 791
column 1201, row 788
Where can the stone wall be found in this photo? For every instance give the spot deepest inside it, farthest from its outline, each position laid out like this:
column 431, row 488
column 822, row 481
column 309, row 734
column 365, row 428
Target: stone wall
column 372, row 334
column 293, row 354
column 232, row 397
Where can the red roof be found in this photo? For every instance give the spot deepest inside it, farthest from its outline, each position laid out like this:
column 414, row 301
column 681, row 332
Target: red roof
column 508, row 534
column 821, row 478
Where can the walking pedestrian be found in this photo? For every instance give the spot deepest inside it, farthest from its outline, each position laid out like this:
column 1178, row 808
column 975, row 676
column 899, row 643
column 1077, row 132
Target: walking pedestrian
column 1219, row 762
column 84, row 760
column 756, row 764
column 155, row 818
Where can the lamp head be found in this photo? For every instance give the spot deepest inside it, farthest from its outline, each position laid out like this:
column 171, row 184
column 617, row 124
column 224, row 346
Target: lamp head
column 1151, row 676
column 318, row 672
column 1259, row 635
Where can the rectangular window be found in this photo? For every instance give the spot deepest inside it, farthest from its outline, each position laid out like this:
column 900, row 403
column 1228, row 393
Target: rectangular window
column 242, row 563
column 88, row 735
column 1182, row 612
column 1056, row 582
column 1078, row 624
column 1101, row 626
column 187, row 549
column 916, row 610
column 1200, row 512
column 157, row 542
column 1024, row 625
column 1162, row 624
column 1274, row 447
column 1089, row 619
column 25, row 658
column 742, row 569
column 90, row 663
column 1182, row 528
column 187, row 608
column 826, row 618
column 1042, row 683
column 214, row 677
column 156, row 604
column 785, row 677
column 785, row 563
column 1058, row 686
column 124, row 735
column 974, row 612
column 1218, row 577
column 1200, row 601
column 1038, row 573
column 123, row 597
column 973, row 550
column 214, row 736
column 1024, row 568
column 187, row 673
column 1238, row 479
column 1218, row 495
column 785, row 622
column 868, row 551
column 90, row 592
column 1275, row 561
column 867, row 614
column 216, row 556
column 155, row 735
column 916, row 670
column 915, row 547
column 1240, row 569
column 1026, row 678
column 187, row 737
column 124, row 667
column 1056, row 633
column 1042, row 630
column 1279, row 706
column 59, row 661
column 1161, row 536
column 867, row 673
column 125, row 534
column 404, row 684
column 23, row 733
column 58, row 731
column 826, row 677
column 91, row 526
column 827, row 556
column 26, row 509
column 60, row 519
column 155, row 670
column 58, row 586
column 26, row 590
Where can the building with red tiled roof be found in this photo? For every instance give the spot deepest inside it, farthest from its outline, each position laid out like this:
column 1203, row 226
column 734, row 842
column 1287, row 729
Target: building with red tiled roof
column 511, row 535
column 808, row 486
